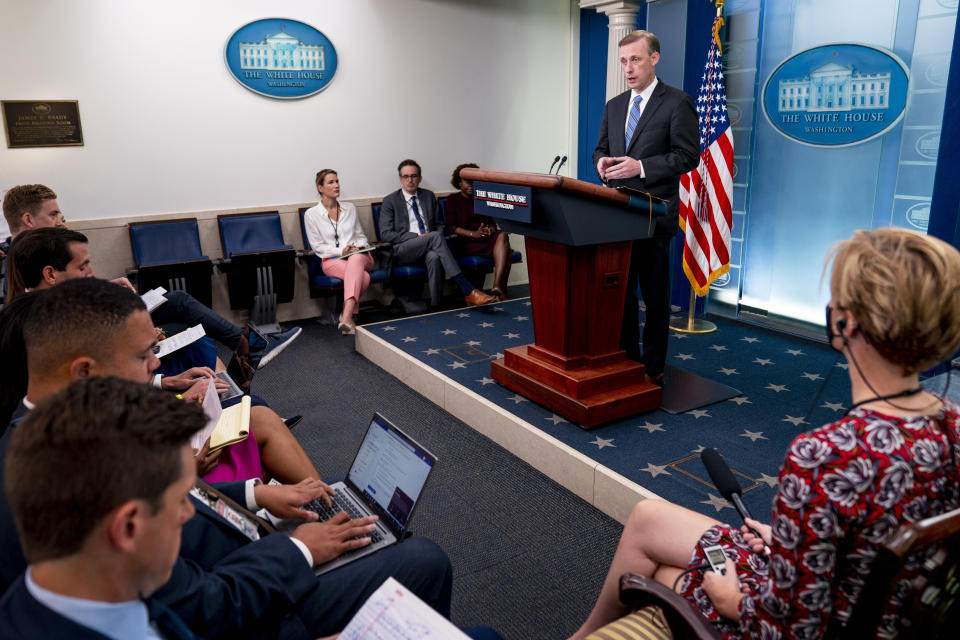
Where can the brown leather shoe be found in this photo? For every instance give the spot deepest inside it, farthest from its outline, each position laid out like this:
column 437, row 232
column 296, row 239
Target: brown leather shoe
column 478, row 298
column 657, row 379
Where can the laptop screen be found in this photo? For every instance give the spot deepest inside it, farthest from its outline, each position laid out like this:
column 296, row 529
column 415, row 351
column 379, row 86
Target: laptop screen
column 390, row 469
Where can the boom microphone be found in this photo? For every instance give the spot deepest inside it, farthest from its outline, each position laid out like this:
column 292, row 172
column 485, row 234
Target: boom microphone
column 726, row 483
column 555, row 161
column 563, row 161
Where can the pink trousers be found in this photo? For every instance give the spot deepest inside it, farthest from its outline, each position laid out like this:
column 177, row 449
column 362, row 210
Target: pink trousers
column 353, row 272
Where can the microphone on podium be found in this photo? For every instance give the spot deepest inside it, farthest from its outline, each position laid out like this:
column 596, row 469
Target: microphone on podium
column 726, row 483
column 563, row 161
column 555, row 161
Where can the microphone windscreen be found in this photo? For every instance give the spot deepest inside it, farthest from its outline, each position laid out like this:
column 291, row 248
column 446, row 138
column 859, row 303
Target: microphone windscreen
column 720, row 473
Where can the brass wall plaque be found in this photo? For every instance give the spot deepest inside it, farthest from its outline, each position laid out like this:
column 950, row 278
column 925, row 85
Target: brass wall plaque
column 42, row 123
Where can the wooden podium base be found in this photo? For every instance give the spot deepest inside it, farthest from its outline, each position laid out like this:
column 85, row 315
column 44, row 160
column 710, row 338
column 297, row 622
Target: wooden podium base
column 586, row 396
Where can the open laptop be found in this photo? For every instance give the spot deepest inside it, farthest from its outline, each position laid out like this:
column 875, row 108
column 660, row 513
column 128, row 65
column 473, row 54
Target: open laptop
column 386, row 479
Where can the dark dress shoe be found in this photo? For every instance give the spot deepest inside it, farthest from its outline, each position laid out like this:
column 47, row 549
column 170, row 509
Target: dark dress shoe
column 478, row 298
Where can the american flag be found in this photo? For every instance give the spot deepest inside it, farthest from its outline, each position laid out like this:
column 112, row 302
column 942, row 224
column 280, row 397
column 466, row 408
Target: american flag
column 706, row 193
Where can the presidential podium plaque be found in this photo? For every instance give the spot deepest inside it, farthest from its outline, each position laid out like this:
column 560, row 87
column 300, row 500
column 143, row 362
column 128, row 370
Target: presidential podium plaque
column 578, row 242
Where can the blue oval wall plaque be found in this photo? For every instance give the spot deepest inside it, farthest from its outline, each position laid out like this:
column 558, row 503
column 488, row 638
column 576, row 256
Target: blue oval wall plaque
column 836, row 95
column 281, row 58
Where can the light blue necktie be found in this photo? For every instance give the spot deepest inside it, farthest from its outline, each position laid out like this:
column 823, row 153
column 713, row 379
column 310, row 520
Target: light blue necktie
column 632, row 121
column 416, row 213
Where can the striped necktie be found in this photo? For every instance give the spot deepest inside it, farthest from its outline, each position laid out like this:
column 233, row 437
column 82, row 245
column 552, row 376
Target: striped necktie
column 632, row 121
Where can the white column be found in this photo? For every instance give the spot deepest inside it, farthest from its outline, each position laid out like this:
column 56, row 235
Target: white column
column 623, row 19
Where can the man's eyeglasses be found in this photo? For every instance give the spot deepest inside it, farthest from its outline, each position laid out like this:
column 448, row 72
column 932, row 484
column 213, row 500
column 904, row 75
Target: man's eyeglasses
column 409, row 176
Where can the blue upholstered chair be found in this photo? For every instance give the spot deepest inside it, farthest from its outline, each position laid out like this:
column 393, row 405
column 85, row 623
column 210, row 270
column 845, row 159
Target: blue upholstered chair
column 168, row 254
column 321, row 284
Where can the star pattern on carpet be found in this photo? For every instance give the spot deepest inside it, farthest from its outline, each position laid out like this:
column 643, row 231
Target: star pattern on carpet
column 794, row 420
column 457, row 365
column 409, row 339
column 718, row 347
column 684, row 356
column 517, row 398
column 651, row 427
column 753, row 435
column 449, row 332
column 498, row 356
column 777, row 387
column 741, row 400
column 680, row 336
column 717, row 502
column 699, row 413
column 770, row 481
column 389, row 328
column 511, row 336
column 762, row 361
column 813, row 377
column 498, row 308
column 842, row 365
column 728, row 372
column 485, row 325
column 431, row 351
column 527, row 303
column 555, row 419
column 463, row 315
column 699, row 449
column 473, row 343
column 485, row 381
column 794, row 352
column 604, row 442
column 750, row 339
column 833, row 406
column 656, row 469
column 520, row 318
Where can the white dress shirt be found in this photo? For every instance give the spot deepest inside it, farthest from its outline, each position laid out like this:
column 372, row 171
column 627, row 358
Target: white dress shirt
column 410, row 216
column 645, row 94
column 320, row 230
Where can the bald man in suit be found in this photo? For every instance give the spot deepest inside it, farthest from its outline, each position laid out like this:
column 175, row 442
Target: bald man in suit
column 649, row 137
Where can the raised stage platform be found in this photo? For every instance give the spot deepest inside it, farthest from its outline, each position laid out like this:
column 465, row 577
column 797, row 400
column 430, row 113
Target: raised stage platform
column 788, row 386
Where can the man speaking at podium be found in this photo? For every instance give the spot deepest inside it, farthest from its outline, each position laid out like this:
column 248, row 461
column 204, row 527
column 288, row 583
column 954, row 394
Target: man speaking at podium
column 649, row 137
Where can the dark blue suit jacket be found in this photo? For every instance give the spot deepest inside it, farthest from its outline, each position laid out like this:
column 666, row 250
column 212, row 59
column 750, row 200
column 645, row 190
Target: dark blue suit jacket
column 222, row 582
column 666, row 141
column 21, row 616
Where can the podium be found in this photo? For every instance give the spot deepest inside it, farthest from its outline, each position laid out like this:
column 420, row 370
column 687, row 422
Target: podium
column 578, row 242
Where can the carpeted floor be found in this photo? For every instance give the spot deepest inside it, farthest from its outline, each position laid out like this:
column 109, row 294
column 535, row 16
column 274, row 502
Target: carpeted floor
column 528, row 556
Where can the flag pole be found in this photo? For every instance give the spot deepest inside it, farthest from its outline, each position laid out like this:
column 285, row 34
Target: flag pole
column 691, row 324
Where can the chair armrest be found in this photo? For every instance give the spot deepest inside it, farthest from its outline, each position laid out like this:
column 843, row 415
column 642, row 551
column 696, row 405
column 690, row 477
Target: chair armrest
column 684, row 620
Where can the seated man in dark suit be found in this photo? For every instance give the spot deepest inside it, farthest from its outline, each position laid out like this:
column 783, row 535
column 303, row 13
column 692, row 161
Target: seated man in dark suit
column 232, row 576
column 100, row 537
column 410, row 220
column 34, row 206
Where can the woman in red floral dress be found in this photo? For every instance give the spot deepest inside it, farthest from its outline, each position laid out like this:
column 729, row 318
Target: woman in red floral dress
column 843, row 488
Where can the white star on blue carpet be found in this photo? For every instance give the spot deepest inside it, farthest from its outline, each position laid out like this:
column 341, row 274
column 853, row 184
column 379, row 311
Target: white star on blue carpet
column 449, row 332
column 777, row 387
column 389, row 328
column 741, row 400
column 770, row 481
column 431, row 351
column 555, row 419
column 651, row 427
column 517, row 398
column 680, row 336
column 717, row 502
column 457, row 365
column 794, row 420
column 604, row 442
column 699, row 413
column 684, row 356
column 794, row 352
column 463, row 315
column 498, row 308
column 833, row 406
column 813, row 377
column 520, row 318
column 762, row 361
column 409, row 339
column 527, row 303
column 485, row 325
column 842, row 365
column 485, row 381
column 718, row 347
column 498, row 356
column 728, row 372
column 473, row 343
column 750, row 340
column 699, row 449
column 511, row 336
column 656, row 469
column 753, row 435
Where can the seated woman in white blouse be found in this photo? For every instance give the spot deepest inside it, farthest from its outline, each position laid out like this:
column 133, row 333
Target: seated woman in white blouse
column 334, row 230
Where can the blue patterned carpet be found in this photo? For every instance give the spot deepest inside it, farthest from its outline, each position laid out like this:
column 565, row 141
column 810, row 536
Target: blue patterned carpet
column 788, row 385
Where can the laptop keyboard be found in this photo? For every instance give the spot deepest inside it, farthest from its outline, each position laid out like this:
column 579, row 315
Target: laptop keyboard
column 340, row 503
